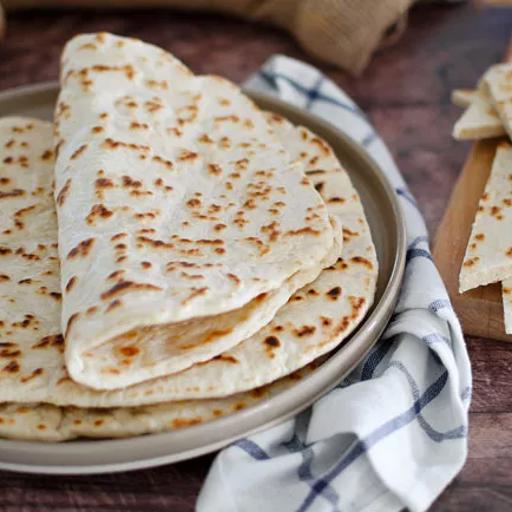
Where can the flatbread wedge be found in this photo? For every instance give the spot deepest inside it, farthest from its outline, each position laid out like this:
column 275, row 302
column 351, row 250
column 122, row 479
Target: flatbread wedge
column 488, row 256
column 181, row 217
column 506, row 293
column 480, row 120
column 462, row 97
column 498, row 81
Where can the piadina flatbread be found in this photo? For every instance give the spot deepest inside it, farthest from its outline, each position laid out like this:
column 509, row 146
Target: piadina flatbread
column 506, row 293
column 183, row 226
column 315, row 320
column 47, row 422
column 498, row 82
column 488, row 256
column 480, row 120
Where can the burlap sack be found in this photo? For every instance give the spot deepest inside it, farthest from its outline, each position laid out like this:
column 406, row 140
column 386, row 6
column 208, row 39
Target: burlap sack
column 341, row 32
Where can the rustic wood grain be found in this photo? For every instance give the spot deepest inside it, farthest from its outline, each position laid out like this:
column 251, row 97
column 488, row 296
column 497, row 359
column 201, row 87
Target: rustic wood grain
column 406, row 92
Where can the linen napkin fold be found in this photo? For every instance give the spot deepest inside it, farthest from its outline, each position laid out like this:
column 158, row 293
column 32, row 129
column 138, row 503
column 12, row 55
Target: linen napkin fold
column 394, row 433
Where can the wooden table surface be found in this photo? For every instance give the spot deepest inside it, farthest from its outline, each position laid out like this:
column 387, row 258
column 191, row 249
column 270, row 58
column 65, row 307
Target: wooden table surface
column 406, row 92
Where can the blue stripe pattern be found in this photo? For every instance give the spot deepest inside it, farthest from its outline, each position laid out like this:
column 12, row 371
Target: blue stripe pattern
column 418, row 253
column 272, row 78
column 372, row 439
column 252, row 449
column 403, row 192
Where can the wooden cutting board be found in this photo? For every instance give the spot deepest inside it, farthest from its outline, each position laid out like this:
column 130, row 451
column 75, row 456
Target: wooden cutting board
column 480, row 310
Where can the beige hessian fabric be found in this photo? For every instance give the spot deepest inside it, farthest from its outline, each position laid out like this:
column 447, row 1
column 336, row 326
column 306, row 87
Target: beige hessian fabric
column 341, row 32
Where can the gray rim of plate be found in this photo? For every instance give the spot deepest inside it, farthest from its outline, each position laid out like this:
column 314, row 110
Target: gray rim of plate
column 388, row 232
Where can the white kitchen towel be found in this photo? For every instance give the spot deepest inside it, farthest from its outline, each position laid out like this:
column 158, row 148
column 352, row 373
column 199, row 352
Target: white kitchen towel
column 394, row 433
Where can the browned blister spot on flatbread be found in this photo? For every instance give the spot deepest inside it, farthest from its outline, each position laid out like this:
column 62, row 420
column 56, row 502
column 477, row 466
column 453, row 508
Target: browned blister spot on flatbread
column 496, row 212
column 186, row 422
column 56, row 296
column 9, row 353
column 187, row 156
column 272, row 231
column 110, row 143
column 113, row 305
column 101, row 184
column 261, row 246
column 471, row 261
column 35, row 373
column 47, row 155
column 194, row 203
column 117, row 274
column 71, row 282
column 305, row 330
column 129, row 351
column 63, row 193
column 127, row 286
column 157, row 84
column 272, row 341
column 11, row 367
column 88, row 46
column 135, row 125
column 155, row 244
column 334, row 293
column 205, row 139
column 195, row 292
column 73, row 318
column 225, row 358
column 52, row 340
column 319, row 186
column 359, row 260
column 163, row 161
column 214, row 169
column 303, row 231
column 15, row 192
column 82, row 249
column 98, row 211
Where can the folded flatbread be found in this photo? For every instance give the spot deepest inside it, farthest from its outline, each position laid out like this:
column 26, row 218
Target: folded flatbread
column 315, row 320
column 480, row 120
column 498, row 81
column 183, row 224
column 488, row 257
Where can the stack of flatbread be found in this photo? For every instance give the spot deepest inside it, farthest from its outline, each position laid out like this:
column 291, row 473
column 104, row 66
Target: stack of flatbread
column 170, row 253
column 488, row 114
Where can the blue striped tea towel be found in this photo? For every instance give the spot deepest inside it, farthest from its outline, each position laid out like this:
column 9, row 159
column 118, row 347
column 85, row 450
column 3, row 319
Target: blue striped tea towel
column 394, row 433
